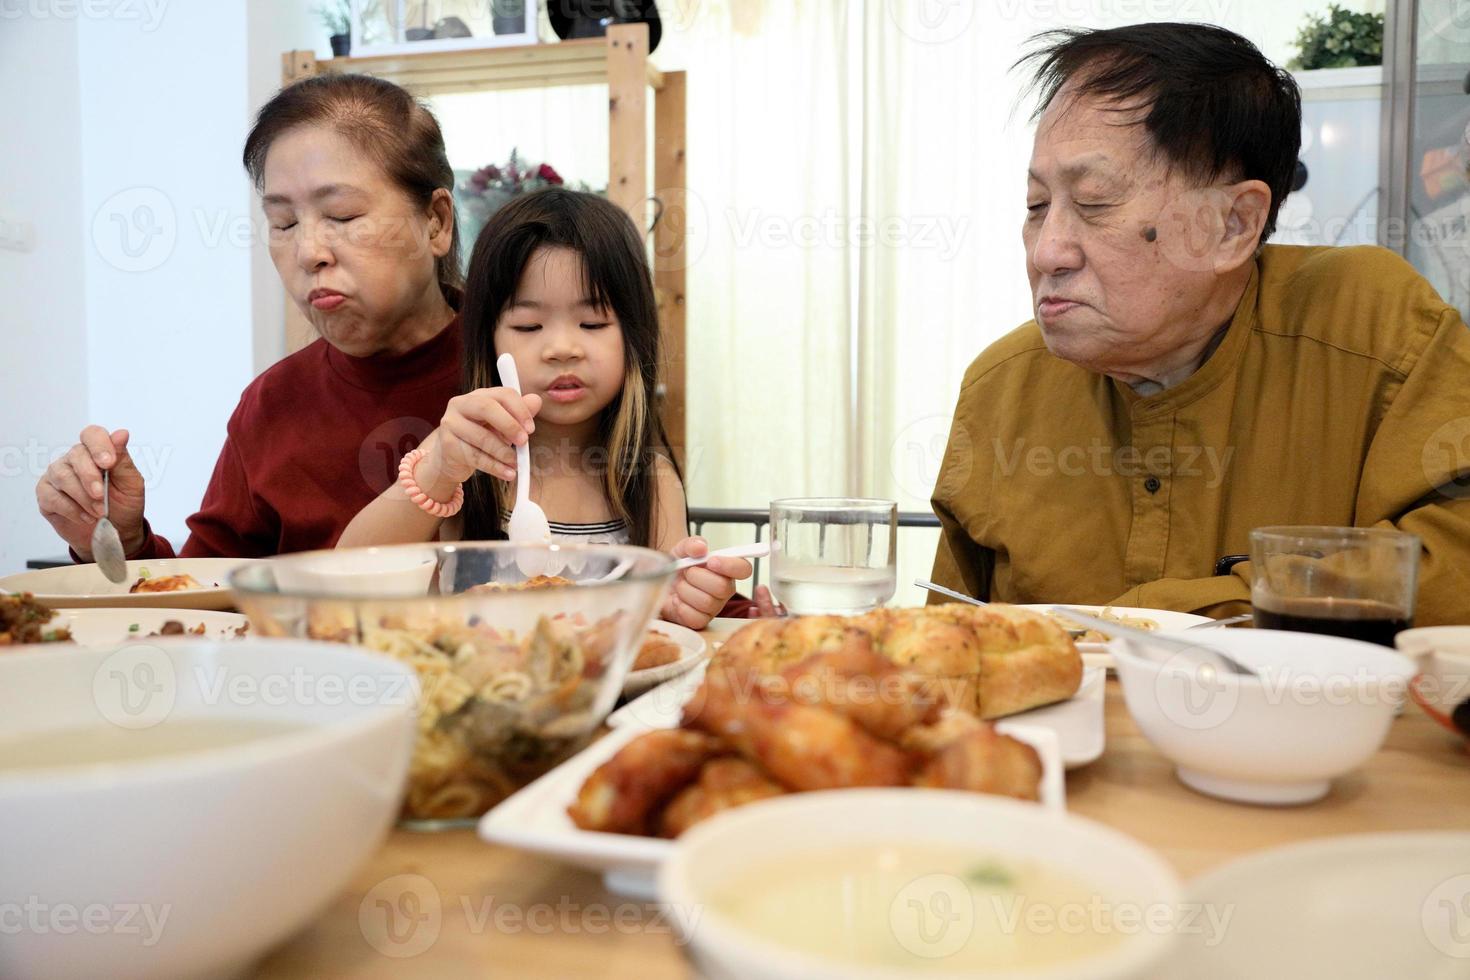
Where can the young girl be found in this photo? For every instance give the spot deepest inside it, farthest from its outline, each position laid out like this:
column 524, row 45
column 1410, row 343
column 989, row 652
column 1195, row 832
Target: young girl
column 558, row 280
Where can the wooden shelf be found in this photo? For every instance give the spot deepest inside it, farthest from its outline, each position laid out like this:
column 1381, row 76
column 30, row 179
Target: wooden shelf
column 522, row 66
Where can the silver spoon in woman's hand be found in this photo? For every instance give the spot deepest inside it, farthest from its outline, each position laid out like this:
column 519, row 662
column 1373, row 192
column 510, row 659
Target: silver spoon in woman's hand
column 107, row 549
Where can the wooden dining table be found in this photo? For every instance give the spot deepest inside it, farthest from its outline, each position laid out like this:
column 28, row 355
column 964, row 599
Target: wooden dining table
column 443, row 906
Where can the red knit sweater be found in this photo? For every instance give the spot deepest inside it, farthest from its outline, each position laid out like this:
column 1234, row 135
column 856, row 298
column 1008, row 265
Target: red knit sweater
column 313, row 441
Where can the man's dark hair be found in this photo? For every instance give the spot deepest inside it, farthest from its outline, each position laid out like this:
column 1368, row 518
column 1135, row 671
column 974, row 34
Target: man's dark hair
column 1212, row 103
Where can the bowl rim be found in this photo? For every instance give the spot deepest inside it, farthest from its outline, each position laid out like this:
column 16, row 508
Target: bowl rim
column 184, row 766
column 238, row 579
column 1122, row 652
column 678, row 893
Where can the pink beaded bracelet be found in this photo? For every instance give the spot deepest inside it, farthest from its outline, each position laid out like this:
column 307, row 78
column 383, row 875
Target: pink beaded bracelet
column 440, row 509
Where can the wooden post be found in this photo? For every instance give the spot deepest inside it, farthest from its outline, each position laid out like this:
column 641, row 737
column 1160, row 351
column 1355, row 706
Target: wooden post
column 627, row 108
column 671, row 255
column 296, row 65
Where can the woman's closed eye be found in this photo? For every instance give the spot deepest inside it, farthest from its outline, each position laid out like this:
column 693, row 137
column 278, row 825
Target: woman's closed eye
column 525, row 327
column 344, row 219
column 595, row 326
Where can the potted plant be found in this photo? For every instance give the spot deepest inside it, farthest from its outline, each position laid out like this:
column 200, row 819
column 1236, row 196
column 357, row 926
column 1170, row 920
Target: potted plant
column 1341, row 39
column 337, row 18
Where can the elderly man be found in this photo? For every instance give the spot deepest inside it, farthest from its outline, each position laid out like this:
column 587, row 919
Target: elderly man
column 1182, row 382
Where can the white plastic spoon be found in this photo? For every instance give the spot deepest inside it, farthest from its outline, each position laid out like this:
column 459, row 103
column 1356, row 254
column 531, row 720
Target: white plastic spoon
column 527, row 523
column 760, row 549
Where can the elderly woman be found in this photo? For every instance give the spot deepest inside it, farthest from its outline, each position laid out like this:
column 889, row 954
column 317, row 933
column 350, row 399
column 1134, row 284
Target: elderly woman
column 1183, row 382
column 357, row 189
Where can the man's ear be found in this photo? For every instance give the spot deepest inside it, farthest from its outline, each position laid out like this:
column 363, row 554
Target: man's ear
column 441, row 222
column 1246, row 206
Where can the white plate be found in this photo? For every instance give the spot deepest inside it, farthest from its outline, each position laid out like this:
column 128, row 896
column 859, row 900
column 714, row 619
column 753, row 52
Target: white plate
column 1356, row 907
column 108, row 627
column 694, row 653
column 1077, row 722
column 1096, row 654
column 535, row 819
column 78, row 586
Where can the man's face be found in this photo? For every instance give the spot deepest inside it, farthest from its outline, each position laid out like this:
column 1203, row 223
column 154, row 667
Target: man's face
column 1118, row 246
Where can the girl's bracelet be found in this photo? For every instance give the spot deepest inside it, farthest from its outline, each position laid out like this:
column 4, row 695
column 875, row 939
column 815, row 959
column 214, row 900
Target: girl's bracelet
column 440, row 509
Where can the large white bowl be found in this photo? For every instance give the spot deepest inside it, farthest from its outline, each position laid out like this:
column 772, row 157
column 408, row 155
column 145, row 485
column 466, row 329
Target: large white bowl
column 1319, row 708
column 1128, row 877
column 230, row 849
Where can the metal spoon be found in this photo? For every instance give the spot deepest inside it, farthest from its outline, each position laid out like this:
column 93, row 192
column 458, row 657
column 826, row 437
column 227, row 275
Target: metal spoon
column 1147, row 639
column 107, row 549
column 1216, row 623
column 925, row 584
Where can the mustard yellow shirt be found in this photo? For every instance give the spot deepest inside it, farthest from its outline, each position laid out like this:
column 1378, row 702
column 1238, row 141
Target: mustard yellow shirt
column 1339, row 395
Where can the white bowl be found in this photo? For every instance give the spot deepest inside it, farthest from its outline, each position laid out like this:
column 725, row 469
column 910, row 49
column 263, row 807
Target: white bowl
column 193, row 865
column 379, row 573
column 1319, row 708
column 1127, row 875
column 1442, row 688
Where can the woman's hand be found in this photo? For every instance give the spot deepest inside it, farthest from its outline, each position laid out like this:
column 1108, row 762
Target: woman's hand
column 479, row 431
column 70, row 491
column 699, row 593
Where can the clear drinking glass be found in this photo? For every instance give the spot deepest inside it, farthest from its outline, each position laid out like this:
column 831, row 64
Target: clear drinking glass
column 833, row 555
column 1347, row 581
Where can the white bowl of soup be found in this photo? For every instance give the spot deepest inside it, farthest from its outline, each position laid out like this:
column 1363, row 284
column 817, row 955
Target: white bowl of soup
column 175, row 809
column 877, row 884
column 1315, row 708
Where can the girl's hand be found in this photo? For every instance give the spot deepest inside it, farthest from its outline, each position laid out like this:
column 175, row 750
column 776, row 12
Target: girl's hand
column 699, row 593
column 479, row 431
column 70, row 491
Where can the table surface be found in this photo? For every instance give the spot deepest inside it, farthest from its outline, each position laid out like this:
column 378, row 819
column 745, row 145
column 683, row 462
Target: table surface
column 502, row 913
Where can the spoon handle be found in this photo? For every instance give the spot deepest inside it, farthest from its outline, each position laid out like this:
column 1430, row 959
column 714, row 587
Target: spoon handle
column 1150, row 639
column 758, row 550
column 925, row 584
column 512, row 380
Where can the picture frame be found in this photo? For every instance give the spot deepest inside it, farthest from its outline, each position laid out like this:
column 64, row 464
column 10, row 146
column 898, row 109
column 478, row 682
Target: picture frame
column 394, row 27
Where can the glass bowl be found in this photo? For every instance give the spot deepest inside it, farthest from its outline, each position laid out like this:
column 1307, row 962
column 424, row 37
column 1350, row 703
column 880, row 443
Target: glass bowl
column 520, row 651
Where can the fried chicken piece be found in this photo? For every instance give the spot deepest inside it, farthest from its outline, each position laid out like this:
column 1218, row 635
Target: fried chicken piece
column 723, row 784
column 626, row 790
column 657, row 651
column 863, row 685
column 984, row 761
column 802, row 746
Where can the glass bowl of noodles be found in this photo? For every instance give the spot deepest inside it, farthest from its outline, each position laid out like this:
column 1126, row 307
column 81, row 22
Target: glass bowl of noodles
column 520, row 650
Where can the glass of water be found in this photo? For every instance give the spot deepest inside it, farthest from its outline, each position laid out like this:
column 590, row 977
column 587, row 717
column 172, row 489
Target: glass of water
column 833, row 555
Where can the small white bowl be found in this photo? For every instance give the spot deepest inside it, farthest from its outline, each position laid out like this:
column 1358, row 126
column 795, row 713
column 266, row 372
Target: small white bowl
column 1126, row 874
column 379, row 573
column 193, row 865
column 1319, row 708
column 1443, row 684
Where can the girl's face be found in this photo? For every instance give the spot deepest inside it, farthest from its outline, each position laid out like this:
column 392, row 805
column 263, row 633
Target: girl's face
column 567, row 350
column 355, row 253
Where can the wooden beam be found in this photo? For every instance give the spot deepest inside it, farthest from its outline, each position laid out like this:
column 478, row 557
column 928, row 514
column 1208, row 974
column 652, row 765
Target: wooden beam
column 670, row 250
column 296, row 65
column 627, row 109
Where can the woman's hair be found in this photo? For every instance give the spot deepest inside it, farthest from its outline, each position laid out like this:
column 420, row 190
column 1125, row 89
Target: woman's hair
column 616, row 274
column 385, row 123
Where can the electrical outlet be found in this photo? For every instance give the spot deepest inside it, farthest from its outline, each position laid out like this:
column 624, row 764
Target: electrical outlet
column 18, row 236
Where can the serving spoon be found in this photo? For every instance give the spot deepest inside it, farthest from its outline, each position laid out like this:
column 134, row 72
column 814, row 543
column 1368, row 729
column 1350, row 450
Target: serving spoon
column 1145, row 638
column 527, row 523
column 107, row 549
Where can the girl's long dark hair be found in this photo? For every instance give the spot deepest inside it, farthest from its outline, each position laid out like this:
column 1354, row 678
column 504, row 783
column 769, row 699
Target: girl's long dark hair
column 617, row 276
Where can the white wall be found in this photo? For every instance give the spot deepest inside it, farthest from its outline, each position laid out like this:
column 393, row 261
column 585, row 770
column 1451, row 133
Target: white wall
column 148, row 296
column 43, row 336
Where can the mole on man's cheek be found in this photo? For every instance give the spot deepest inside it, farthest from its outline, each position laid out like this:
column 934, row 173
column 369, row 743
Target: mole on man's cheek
column 1150, row 234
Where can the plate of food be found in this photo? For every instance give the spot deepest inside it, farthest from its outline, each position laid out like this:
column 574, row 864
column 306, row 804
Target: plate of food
column 1094, row 644
column 668, row 651
column 544, row 817
column 164, row 583
column 102, row 627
